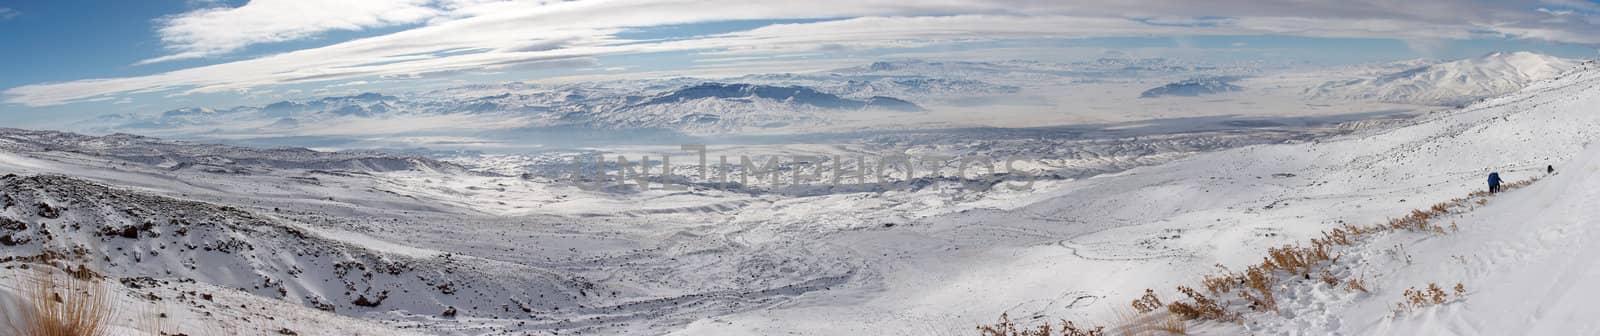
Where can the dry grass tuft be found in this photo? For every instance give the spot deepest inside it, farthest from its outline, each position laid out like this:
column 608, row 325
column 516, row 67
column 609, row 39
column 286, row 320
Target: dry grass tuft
column 1006, row 328
column 1219, row 283
column 1173, row 325
column 1070, row 329
column 1432, row 295
column 1295, row 259
column 1202, row 308
column 1261, row 280
column 1357, row 284
column 60, row 305
column 1147, row 303
column 1328, row 278
column 1338, row 236
column 1130, row 323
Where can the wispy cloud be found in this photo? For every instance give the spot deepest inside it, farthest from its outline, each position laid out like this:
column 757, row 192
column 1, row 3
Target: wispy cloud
column 219, row 30
column 1574, row 4
column 7, row 13
column 349, row 84
column 455, row 36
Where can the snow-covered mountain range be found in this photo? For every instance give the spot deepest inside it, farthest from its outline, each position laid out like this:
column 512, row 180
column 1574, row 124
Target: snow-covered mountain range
column 1450, row 83
column 751, row 103
column 702, row 108
column 879, row 95
column 374, row 243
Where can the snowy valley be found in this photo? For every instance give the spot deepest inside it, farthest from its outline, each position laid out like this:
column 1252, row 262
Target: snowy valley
column 458, row 212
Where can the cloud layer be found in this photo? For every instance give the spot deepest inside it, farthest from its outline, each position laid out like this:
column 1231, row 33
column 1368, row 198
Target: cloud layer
column 475, row 35
column 216, row 31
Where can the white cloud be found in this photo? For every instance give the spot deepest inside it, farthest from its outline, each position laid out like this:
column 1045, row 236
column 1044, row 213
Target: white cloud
column 349, row 84
column 7, row 13
column 458, row 36
column 1574, row 4
column 219, row 30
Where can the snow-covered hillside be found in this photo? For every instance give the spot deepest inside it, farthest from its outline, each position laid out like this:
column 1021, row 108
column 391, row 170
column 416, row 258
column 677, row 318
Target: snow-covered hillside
column 1450, row 83
column 1087, row 248
column 1520, row 258
column 176, row 155
column 419, row 245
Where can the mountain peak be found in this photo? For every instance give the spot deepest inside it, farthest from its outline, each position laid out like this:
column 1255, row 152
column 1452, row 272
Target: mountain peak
column 1454, row 82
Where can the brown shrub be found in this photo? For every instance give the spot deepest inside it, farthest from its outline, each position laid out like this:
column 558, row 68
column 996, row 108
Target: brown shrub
column 1440, row 209
column 1328, row 278
column 1432, row 295
column 1147, row 303
column 1006, row 328
column 60, row 306
column 1219, row 283
column 1337, row 236
column 1357, row 284
column 1293, row 259
column 1435, row 294
column 1202, row 307
column 1261, row 280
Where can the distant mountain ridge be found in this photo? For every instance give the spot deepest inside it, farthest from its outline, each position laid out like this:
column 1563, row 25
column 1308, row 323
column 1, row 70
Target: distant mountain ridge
column 696, row 108
column 212, row 157
column 1450, row 83
column 1193, row 87
column 793, row 94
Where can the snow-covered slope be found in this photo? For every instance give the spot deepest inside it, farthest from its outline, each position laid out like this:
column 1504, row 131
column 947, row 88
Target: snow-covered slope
column 128, row 235
column 526, row 255
column 419, row 249
column 1450, row 83
column 1087, row 248
column 1525, row 259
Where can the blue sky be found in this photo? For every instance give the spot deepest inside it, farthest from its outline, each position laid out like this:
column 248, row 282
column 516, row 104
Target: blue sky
column 70, row 59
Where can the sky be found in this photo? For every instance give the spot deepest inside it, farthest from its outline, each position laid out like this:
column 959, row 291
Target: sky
column 68, row 60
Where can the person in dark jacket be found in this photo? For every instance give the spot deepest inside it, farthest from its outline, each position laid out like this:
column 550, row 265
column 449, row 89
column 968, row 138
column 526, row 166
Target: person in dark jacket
column 1494, row 182
column 1550, row 169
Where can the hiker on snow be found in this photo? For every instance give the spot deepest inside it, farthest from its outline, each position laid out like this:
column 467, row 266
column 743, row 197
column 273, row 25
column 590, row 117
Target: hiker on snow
column 1494, row 182
column 1550, row 169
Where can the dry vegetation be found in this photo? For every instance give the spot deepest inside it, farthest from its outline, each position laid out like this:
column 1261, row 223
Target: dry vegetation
column 71, row 302
column 1357, row 284
column 1134, row 323
column 1006, row 328
column 75, row 304
column 1255, row 285
column 1414, row 298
